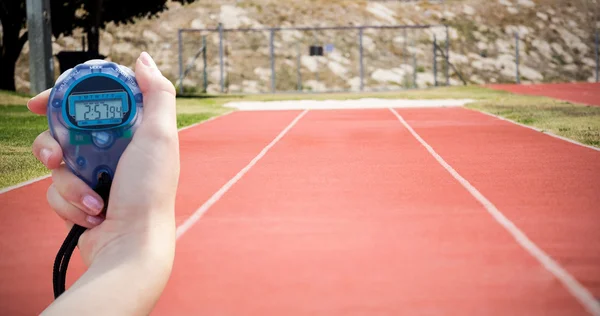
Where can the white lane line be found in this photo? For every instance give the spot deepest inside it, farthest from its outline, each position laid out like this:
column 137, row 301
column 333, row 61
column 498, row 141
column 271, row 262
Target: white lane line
column 31, row 181
column 22, row 184
column 569, row 282
column 181, row 229
column 539, row 130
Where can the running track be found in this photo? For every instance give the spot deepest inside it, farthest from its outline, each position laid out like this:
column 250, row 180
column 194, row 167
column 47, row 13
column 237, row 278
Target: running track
column 356, row 212
column 585, row 93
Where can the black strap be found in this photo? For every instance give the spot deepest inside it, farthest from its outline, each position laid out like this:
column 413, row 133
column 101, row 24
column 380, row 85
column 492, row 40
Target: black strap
column 61, row 262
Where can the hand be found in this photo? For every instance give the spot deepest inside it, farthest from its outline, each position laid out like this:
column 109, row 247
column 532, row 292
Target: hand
column 140, row 222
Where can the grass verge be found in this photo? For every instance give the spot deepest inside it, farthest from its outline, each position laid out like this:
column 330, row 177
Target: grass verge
column 19, row 127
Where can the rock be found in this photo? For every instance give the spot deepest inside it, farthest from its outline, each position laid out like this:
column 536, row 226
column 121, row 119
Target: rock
column 588, row 62
column 337, row 69
column 250, row 86
column 573, row 41
column 395, row 75
column 263, row 73
column 530, row 73
column 468, row 10
column 526, row 3
column 476, row 79
column 151, row 36
column 512, row 10
column 456, row 59
column 314, row 85
column 337, row 57
column 543, row 48
column 570, row 67
column 482, row 46
column 197, row 24
column 309, row 62
column 449, row 15
column 542, row 16
column 560, row 51
column 291, row 36
column 505, row 3
column 213, row 89
column 234, row 17
column 354, row 83
column 382, row 12
column 368, row 43
column 122, row 48
column 425, row 80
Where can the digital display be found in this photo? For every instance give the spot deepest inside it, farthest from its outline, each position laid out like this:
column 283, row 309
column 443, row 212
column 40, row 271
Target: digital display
column 94, row 110
column 99, row 112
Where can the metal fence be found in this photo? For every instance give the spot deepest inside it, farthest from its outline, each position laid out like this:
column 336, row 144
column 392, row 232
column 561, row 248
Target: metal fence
column 370, row 58
column 355, row 58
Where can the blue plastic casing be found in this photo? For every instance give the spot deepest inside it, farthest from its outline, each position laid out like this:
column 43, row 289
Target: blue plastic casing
column 91, row 147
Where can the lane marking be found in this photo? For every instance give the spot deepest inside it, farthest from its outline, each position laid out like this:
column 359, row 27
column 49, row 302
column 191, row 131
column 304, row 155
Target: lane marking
column 538, row 130
column 569, row 282
column 24, row 183
column 34, row 180
column 185, row 226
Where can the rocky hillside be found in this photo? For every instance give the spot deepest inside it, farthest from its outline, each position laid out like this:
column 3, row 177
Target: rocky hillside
column 556, row 42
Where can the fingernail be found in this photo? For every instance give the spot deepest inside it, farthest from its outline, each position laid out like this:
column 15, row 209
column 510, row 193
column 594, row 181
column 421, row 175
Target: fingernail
column 45, row 154
column 94, row 220
column 147, row 60
column 93, row 204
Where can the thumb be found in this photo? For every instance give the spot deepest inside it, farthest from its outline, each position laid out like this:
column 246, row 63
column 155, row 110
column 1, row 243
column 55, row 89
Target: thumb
column 159, row 94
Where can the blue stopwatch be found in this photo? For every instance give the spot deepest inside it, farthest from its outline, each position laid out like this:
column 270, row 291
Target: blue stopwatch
column 93, row 111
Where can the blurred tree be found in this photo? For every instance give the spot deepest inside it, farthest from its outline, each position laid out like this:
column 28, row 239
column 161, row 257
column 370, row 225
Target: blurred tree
column 66, row 15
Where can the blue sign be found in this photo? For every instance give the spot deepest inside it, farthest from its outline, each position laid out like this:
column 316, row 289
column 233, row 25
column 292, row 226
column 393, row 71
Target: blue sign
column 329, row 48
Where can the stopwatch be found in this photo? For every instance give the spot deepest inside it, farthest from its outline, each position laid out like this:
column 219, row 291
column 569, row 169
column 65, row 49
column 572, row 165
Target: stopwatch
column 93, row 111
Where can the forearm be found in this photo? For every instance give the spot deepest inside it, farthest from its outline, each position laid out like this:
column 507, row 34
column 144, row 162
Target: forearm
column 126, row 278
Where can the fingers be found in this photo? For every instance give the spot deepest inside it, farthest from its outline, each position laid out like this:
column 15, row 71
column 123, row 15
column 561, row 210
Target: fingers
column 76, row 192
column 47, row 150
column 70, row 212
column 39, row 103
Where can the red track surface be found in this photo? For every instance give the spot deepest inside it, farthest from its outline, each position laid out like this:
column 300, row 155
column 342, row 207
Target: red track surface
column 349, row 214
column 586, row 93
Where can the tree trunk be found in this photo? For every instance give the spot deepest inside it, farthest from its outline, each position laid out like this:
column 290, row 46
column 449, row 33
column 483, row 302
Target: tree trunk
column 93, row 34
column 7, row 74
column 10, row 50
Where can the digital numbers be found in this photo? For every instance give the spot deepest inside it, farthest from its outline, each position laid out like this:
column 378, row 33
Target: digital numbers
column 98, row 110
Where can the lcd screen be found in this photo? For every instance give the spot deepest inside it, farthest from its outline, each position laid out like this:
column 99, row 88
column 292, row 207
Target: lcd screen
column 100, row 111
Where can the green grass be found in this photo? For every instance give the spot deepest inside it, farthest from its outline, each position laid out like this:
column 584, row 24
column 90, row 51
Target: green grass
column 574, row 121
column 18, row 127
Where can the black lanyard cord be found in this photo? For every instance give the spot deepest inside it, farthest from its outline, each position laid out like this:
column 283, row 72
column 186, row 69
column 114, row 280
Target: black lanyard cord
column 61, row 262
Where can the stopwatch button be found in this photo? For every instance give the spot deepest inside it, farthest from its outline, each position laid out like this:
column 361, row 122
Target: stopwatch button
column 127, row 70
column 64, row 75
column 102, row 139
column 80, row 161
column 95, row 62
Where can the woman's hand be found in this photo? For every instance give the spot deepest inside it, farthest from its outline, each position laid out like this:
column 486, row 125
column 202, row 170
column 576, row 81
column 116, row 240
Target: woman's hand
column 130, row 252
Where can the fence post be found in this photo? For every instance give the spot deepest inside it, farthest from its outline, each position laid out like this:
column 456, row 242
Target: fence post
column 298, row 64
column 180, row 50
column 221, row 74
column 518, row 79
column 414, row 60
column 204, row 72
column 447, row 57
column 272, row 57
column 405, row 57
column 435, row 81
column 41, row 61
column 360, row 51
column 597, row 56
